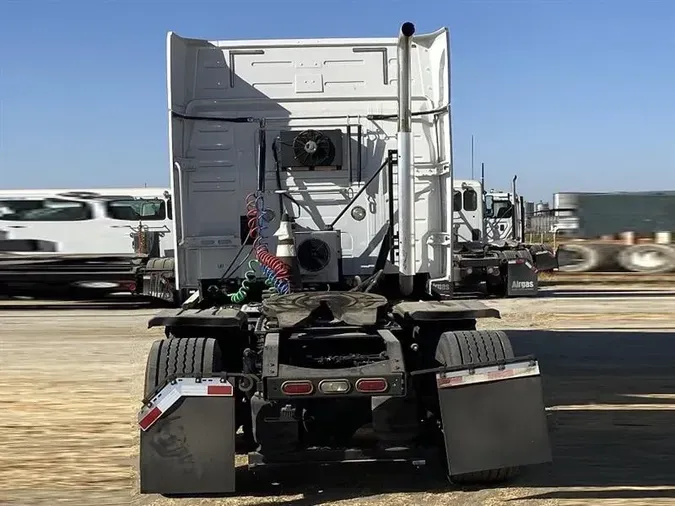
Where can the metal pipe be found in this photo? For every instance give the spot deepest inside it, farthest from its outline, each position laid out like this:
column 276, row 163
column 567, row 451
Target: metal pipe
column 262, row 153
column 406, row 186
column 483, row 197
column 358, row 194
column 514, row 219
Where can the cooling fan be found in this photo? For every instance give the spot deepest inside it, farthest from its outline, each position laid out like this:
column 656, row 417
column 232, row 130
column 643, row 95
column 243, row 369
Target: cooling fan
column 314, row 255
column 310, row 148
column 319, row 254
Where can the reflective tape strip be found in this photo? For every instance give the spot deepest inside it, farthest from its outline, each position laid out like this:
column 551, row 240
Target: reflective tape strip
column 182, row 387
column 522, row 261
column 486, row 374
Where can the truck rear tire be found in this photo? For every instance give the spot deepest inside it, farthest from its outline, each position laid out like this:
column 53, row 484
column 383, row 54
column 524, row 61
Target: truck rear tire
column 578, row 258
column 477, row 346
column 648, row 258
column 180, row 356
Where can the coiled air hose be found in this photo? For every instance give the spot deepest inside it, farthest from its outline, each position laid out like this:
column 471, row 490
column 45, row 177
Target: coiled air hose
column 274, row 269
column 249, row 277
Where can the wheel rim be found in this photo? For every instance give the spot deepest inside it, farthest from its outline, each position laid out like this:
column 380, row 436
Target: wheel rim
column 570, row 259
column 648, row 259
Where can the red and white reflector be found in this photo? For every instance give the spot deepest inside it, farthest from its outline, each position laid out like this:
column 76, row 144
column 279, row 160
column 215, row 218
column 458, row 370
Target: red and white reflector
column 371, row 385
column 487, row 374
column 182, row 387
column 523, row 261
column 297, row 387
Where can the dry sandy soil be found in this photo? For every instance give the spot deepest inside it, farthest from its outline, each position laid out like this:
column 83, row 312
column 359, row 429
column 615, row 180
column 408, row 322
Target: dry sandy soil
column 71, row 383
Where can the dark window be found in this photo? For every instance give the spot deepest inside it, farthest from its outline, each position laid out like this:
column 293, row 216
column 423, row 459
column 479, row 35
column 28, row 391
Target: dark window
column 10, row 208
column 470, row 200
column 137, row 209
column 54, row 210
column 457, row 201
column 502, row 209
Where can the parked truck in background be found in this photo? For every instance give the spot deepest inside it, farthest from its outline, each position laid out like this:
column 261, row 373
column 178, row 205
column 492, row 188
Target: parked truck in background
column 80, row 243
column 611, row 231
column 492, row 256
column 324, row 300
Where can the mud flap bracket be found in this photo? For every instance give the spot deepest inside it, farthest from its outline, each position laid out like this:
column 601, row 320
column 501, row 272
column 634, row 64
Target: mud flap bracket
column 187, row 438
column 493, row 416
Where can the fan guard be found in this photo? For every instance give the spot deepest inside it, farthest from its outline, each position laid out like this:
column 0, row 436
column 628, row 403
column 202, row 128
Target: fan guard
column 312, row 148
column 314, row 255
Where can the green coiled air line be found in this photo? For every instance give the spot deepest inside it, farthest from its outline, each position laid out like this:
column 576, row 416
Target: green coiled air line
column 249, row 277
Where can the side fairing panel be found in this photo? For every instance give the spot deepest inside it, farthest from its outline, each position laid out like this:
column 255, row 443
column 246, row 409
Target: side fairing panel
column 219, row 91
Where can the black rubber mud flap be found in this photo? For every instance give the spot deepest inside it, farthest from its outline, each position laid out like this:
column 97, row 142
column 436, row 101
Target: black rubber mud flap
column 544, row 257
column 187, row 447
column 493, row 418
column 190, row 449
column 521, row 279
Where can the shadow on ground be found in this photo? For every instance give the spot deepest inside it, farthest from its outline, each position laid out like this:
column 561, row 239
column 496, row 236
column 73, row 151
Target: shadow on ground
column 594, row 293
column 618, row 444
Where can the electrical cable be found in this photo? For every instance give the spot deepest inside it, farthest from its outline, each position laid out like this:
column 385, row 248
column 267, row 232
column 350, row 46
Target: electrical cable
column 275, row 270
column 241, row 248
column 242, row 262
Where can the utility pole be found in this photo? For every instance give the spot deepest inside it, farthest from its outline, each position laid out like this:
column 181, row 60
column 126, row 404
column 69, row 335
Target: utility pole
column 472, row 157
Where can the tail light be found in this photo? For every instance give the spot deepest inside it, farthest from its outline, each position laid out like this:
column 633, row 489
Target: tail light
column 371, row 385
column 297, row 387
column 334, row 386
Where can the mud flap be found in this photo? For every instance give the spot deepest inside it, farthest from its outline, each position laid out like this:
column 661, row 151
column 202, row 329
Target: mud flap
column 521, row 279
column 187, row 439
column 493, row 417
column 545, row 260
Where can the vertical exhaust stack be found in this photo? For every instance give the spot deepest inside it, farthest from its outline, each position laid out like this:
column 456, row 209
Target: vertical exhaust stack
column 406, row 185
column 514, row 218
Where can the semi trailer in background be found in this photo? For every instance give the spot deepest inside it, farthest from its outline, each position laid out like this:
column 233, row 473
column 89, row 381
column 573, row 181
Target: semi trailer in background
column 610, row 231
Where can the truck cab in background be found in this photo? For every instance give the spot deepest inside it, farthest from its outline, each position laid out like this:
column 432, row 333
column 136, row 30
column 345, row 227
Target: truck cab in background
column 502, row 218
column 468, row 210
column 490, row 254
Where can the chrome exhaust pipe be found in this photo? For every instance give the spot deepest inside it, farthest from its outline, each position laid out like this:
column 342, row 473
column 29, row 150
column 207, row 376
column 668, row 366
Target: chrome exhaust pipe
column 406, row 185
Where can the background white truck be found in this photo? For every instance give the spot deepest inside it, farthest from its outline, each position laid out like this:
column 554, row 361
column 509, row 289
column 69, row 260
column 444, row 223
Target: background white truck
column 81, row 242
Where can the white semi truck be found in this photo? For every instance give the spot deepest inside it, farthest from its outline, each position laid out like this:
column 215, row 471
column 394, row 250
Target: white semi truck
column 491, row 255
column 312, row 184
column 80, row 242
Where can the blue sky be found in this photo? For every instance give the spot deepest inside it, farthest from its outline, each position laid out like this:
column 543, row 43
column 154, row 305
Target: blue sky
column 570, row 95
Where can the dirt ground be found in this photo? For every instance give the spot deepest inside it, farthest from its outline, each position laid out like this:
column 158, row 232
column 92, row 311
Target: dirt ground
column 71, row 383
